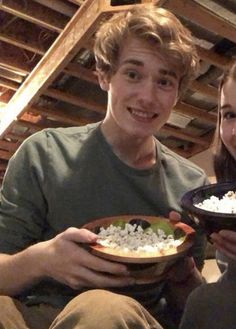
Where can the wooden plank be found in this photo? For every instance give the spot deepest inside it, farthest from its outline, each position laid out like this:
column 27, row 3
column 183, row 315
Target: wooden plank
column 5, row 155
column 15, row 41
column 211, row 57
column 195, row 112
column 78, row 71
column 58, row 5
column 3, row 166
column 9, row 84
column 184, row 136
column 16, row 137
column 204, row 89
column 61, row 116
column 202, row 15
column 58, row 56
column 8, row 146
column 13, row 59
column 35, row 13
column 5, row 73
column 88, row 104
column 77, row 2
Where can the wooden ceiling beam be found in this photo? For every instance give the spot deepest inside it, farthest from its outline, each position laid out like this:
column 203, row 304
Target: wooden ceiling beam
column 9, row 75
column 195, row 112
column 3, row 166
column 203, row 16
column 8, row 83
column 34, row 47
column 79, row 101
column 61, row 115
column 77, row 2
column 204, row 89
column 59, row 6
column 35, row 13
column 58, row 56
column 184, row 136
column 16, row 137
column 8, row 146
column 15, row 60
column 5, row 155
column 212, row 57
column 78, row 71
column 7, row 95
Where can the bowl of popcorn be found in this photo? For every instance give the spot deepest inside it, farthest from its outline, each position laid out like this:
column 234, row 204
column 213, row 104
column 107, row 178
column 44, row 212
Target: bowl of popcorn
column 213, row 206
column 148, row 245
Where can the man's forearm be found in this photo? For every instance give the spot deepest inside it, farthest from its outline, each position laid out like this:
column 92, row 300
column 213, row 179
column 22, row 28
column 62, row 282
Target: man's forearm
column 19, row 271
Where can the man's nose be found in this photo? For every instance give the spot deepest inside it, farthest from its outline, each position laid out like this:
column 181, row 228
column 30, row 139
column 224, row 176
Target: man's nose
column 148, row 93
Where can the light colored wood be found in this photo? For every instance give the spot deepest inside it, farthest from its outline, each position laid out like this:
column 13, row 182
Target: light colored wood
column 9, row 75
column 77, row 2
column 58, row 56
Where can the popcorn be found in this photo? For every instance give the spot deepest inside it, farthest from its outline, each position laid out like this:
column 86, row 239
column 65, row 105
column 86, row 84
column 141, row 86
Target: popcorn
column 227, row 204
column 134, row 238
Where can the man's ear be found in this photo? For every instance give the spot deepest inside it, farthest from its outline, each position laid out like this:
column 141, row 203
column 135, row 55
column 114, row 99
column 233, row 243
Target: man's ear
column 103, row 80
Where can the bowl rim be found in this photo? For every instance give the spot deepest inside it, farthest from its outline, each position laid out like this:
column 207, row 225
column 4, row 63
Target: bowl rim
column 187, row 204
column 182, row 249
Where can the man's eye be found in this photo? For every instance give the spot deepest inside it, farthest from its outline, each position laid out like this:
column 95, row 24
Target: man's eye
column 165, row 83
column 133, row 75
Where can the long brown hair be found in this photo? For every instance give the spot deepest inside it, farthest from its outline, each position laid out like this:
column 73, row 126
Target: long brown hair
column 224, row 163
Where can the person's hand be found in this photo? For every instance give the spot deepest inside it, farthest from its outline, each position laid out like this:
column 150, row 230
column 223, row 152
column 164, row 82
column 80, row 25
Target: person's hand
column 182, row 270
column 225, row 242
column 65, row 259
column 174, row 217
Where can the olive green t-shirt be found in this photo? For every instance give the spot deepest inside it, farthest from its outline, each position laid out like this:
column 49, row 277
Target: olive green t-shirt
column 66, row 177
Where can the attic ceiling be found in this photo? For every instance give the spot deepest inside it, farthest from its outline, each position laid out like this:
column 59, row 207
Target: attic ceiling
column 47, row 67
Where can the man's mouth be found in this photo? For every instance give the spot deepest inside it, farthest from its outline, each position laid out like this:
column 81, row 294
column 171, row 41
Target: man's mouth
column 142, row 115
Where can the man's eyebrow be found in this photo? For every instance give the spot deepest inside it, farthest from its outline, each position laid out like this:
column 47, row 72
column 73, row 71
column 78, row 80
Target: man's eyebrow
column 161, row 71
column 133, row 61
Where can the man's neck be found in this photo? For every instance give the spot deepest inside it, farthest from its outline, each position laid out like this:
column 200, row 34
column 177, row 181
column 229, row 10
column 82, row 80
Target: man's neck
column 139, row 153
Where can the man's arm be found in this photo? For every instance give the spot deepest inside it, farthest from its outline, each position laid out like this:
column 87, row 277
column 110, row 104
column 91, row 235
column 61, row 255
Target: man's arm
column 64, row 259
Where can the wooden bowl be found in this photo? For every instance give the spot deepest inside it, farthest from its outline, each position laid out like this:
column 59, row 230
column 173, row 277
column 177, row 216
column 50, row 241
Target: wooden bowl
column 145, row 266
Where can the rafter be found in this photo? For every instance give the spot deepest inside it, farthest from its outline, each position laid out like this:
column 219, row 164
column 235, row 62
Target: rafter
column 58, row 56
column 35, row 13
column 202, row 15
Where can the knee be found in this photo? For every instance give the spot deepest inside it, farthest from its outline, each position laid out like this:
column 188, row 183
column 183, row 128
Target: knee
column 103, row 309
column 102, row 299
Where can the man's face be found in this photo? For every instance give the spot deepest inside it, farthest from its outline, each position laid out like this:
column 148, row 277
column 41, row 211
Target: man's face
column 142, row 91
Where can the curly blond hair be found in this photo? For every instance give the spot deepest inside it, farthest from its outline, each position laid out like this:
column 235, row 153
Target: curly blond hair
column 155, row 25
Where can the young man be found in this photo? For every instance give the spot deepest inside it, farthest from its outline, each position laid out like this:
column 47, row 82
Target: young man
column 62, row 178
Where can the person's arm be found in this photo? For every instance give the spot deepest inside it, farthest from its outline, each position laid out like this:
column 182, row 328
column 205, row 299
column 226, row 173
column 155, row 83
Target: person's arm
column 182, row 280
column 63, row 259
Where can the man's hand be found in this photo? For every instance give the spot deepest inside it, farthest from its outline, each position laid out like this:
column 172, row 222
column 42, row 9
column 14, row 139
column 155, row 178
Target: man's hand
column 66, row 259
